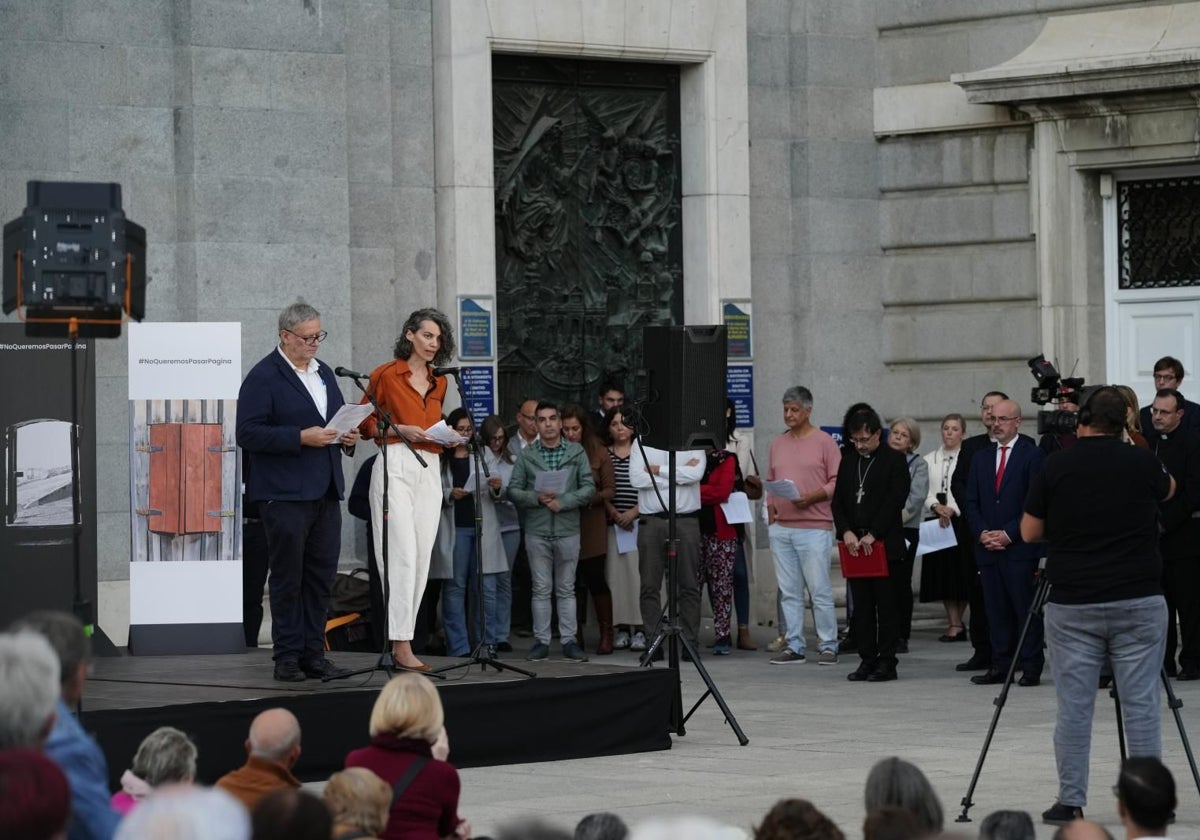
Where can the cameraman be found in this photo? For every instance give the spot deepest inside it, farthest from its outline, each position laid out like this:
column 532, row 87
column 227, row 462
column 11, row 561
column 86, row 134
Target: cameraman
column 1097, row 506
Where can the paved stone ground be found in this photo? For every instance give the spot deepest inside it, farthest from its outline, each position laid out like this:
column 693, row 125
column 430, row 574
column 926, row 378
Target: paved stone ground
column 815, row 735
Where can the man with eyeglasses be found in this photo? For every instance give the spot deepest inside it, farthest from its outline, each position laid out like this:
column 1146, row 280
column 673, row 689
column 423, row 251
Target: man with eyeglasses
column 1178, row 449
column 1168, row 373
column 996, row 486
column 296, row 478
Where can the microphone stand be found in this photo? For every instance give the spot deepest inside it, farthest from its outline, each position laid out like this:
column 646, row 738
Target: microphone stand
column 385, row 662
column 483, row 653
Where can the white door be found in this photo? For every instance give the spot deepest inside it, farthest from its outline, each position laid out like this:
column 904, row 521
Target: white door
column 1144, row 324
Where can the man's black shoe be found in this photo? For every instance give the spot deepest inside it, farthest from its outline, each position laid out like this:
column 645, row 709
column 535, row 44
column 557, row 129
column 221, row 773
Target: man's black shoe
column 861, row 674
column 1030, row 680
column 289, row 671
column 1060, row 814
column 990, row 678
column 882, row 673
column 847, row 645
column 504, row 647
column 973, row 664
column 323, row 670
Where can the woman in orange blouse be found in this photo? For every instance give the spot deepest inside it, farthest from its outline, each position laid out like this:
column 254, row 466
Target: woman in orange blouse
column 412, row 396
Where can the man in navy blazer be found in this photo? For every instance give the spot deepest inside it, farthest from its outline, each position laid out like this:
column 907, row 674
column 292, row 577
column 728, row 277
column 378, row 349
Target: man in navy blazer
column 296, row 478
column 996, row 487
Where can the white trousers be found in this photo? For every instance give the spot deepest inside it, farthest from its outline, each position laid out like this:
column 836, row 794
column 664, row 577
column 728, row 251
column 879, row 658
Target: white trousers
column 414, row 508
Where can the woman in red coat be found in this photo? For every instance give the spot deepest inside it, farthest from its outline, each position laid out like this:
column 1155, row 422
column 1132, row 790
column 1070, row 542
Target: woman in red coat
column 405, row 723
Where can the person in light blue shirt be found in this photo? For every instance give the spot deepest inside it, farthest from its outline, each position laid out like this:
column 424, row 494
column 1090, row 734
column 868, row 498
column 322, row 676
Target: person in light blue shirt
column 75, row 751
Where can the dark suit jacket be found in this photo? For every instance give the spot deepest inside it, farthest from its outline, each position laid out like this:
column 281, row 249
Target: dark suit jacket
column 273, row 406
column 1190, row 421
column 988, row 510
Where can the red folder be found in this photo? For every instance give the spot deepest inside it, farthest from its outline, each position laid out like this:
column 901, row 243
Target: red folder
column 864, row 565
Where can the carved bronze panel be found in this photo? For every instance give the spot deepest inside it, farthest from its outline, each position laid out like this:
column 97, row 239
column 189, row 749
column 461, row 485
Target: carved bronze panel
column 1158, row 228
column 588, row 201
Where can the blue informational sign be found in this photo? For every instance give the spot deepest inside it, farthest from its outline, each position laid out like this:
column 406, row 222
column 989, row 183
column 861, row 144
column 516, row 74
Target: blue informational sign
column 479, row 388
column 736, row 314
column 474, row 327
column 739, row 387
column 835, row 432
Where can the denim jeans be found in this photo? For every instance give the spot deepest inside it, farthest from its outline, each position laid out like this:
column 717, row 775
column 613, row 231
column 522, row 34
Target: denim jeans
column 802, row 560
column 552, row 566
column 454, row 597
column 1132, row 635
column 498, row 629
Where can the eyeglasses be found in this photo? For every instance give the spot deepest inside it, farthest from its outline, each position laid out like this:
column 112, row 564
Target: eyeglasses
column 528, row 417
column 1164, row 377
column 463, row 430
column 310, row 340
column 1002, row 419
column 1159, row 412
column 499, row 438
column 862, row 441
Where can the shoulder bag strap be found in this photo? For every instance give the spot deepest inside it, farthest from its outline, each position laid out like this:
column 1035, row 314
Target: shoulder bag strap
column 411, row 773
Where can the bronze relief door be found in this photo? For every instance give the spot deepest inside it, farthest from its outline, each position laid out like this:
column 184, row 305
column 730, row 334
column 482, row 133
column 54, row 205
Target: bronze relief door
column 588, row 240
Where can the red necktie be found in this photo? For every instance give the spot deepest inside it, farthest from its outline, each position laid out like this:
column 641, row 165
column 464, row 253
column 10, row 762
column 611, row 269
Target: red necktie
column 1000, row 469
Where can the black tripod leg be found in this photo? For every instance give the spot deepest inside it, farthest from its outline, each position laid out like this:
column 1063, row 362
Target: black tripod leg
column 1039, row 598
column 711, row 690
column 1120, row 719
column 1175, row 704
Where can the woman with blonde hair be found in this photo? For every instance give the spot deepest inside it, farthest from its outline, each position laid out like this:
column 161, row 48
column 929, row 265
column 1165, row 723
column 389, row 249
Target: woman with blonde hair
column 406, row 722
column 904, row 435
column 1133, row 422
column 358, row 800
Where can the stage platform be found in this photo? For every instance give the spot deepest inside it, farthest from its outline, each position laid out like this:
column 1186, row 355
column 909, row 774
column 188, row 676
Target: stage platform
column 569, row 710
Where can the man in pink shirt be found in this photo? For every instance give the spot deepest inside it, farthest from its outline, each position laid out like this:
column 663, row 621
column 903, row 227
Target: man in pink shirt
column 801, row 529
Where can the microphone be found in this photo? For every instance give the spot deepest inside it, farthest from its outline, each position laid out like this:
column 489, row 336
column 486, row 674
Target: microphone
column 352, row 374
column 446, row 371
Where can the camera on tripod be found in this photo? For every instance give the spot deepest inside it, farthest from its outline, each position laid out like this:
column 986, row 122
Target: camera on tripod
column 1051, row 387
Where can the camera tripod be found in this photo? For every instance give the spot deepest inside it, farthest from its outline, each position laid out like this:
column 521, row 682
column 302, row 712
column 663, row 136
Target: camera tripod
column 1040, row 595
column 670, row 631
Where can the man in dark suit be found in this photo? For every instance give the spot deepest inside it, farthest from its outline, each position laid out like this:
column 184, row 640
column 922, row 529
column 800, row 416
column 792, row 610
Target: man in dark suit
column 981, row 659
column 996, row 487
column 296, row 477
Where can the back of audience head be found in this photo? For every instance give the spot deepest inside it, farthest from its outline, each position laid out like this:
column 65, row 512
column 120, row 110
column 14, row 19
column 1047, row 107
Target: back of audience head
column 892, row 822
column 601, row 826
column 357, row 798
column 797, row 819
column 35, row 801
column 1082, row 830
column 166, row 755
column 1007, row 825
column 29, row 689
column 894, row 781
column 66, row 635
column 408, row 707
column 1145, row 793
column 187, row 813
column 290, row 814
column 275, row 736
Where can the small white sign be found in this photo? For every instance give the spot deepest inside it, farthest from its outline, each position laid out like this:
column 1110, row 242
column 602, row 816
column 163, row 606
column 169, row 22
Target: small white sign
column 185, row 361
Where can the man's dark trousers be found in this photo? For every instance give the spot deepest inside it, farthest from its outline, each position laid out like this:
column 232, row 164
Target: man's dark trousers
column 303, row 541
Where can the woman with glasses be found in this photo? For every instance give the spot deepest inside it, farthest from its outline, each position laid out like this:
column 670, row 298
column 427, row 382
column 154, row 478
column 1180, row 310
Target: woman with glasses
column 499, row 459
column 621, row 567
column 412, row 396
column 460, row 575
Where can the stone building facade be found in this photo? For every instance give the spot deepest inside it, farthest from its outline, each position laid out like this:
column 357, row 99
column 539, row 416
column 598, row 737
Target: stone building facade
column 917, row 195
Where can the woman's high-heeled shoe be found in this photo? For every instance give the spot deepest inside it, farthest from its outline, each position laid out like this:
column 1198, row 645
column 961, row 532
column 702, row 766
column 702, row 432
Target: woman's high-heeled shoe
column 960, row 636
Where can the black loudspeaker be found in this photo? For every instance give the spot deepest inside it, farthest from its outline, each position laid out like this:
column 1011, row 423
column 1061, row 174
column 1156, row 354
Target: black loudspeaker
column 685, row 387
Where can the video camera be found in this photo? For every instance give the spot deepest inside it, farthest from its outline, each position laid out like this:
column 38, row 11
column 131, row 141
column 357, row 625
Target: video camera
column 1051, row 386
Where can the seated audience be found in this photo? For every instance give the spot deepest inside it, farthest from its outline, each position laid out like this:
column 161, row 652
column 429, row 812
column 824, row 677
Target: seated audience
column 797, row 819
column 891, row 822
column 1007, row 825
column 894, row 781
column 187, row 813
column 165, row 756
column 359, row 802
column 35, row 801
column 287, row 814
column 29, row 690
column 405, row 723
column 1145, row 797
column 601, row 826
column 75, row 751
column 272, row 750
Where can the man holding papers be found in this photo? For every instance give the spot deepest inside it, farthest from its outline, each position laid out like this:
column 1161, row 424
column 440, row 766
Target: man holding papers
column 551, row 480
column 801, row 525
column 284, row 407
